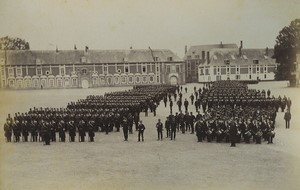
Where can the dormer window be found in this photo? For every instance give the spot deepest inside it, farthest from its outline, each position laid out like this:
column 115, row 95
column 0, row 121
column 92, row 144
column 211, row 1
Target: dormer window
column 227, row 61
column 38, row 61
column 255, row 61
column 83, row 60
column 170, row 58
column 155, row 58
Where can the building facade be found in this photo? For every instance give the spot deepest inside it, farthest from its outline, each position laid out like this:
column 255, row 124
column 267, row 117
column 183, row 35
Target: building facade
column 27, row 69
column 238, row 64
column 197, row 55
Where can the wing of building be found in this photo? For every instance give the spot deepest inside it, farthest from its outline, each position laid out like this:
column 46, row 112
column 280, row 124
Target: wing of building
column 89, row 68
column 197, row 55
column 205, row 63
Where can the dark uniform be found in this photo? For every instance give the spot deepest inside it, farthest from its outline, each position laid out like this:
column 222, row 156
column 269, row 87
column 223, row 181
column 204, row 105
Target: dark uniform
column 173, row 127
column 8, row 131
column 72, row 131
column 141, row 130
column 125, row 129
column 232, row 133
column 159, row 127
column 91, row 130
column 287, row 118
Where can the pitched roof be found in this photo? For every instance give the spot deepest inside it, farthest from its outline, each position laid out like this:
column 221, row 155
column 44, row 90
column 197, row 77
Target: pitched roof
column 197, row 49
column 29, row 57
column 218, row 55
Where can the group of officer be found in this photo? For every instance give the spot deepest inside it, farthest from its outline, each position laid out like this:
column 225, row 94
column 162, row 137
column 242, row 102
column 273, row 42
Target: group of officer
column 230, row 112
column 87, row 116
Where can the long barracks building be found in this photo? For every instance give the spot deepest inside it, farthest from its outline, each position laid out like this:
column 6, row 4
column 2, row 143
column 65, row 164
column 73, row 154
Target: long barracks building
column 26, row 69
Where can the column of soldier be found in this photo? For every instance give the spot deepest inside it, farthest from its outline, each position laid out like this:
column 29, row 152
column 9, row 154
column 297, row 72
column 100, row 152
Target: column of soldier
column 230, row 112
column 86, row 116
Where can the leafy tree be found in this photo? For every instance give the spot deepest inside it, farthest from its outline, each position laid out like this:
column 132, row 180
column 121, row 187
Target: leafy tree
column 285, row 50
column 8, row 43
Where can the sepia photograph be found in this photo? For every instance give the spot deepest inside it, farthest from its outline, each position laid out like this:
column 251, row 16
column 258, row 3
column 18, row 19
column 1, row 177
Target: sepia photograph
column 149, row 94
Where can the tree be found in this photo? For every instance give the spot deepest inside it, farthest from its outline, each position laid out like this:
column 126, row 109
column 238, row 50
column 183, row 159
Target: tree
column 8, row 43
column 285, row 50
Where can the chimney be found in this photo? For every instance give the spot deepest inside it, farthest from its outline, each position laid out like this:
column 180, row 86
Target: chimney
column 130, row 47
column 207, row 57
column 75, row 48
column 267, row 51
column 86, row 48
column 185, row 49
column 56, row 49
column 240, row 49
column 221, row 45
column 203, row 55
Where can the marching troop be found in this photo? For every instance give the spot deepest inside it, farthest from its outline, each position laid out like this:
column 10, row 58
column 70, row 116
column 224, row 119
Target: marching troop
column 226, row 111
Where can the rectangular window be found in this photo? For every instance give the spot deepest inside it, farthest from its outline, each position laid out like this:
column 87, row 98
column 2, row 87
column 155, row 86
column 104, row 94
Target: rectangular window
column 250, row 76
column 197, row 57
column 177, row 68
column 157, row 68
column 237, row 69
column 94, row 81
column 74, row 81
column 19, row 72
column 157, row 79
column 126, row 69
column 257, row 69
column 237, row 77
column 39, row 71
column 10, row 72
column 105, row 70
column 144, row 69
column 51, row 83
column 62, row 71
column 265, row 68
column 173, row 68
column 168, row 68
column 2, row 72
column 150, row 67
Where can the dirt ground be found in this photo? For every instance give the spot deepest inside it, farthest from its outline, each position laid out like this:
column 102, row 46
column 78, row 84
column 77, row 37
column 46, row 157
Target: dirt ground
column 111, row 163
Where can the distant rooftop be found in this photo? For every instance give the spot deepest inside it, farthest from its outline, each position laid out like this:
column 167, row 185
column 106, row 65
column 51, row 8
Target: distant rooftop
column 197, row 49
column 29, row 57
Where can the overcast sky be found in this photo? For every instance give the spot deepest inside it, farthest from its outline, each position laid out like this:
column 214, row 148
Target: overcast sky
column 162, row 24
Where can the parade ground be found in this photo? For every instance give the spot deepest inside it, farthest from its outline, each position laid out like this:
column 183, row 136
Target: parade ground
column 111, row 163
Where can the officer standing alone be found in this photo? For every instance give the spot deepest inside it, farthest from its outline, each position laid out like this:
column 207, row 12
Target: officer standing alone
column 141, row 130
column 159, row 127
